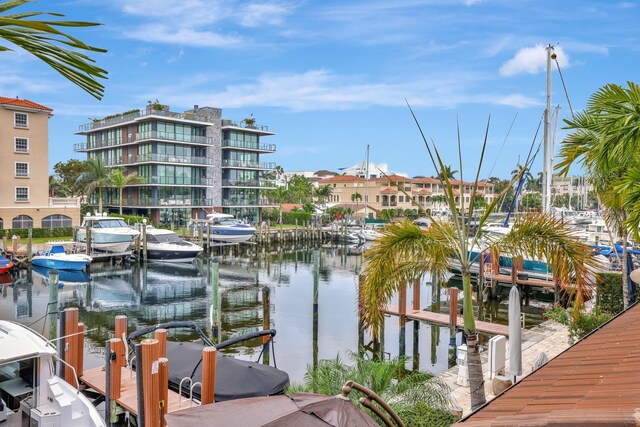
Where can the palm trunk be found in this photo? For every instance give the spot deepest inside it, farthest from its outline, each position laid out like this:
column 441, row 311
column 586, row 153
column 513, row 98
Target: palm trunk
column 120, row 198
column 625, row 273
column 100, row 200
column 476, row 378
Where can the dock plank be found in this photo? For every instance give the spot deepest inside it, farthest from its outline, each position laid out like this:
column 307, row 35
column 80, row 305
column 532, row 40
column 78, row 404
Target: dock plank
column 443, row 319
column 95, row 378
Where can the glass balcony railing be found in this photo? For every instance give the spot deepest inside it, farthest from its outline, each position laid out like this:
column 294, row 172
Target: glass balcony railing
column 143, row 136
column 164, row 180
column 182, row 203
column 245, row 164
column 248, row 183
column 159, row 158
column 247, row 202
column 233, row 143
column 97, row 124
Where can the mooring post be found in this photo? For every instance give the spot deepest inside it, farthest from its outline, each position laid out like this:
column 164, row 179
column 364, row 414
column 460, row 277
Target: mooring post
column 115, row 348
column 15, row 241
column 52, row 307
column 163, row 376
column 87, row 239
column 107, row 393
column 266, row 323
column 209, row 356
column 71, row 344
column 80, row 350
column 215, row 300
column 62, row 326
column 144, row 240
column 4, row 244
column 453, row 312
column 29, row 245
column 161, row 336
column 151, row 394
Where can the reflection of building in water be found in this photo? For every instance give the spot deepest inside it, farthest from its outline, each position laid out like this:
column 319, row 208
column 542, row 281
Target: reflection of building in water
column 241, row 310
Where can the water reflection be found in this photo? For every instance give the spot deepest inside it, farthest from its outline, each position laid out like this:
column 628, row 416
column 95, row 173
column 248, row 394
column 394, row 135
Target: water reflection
column 309, row 295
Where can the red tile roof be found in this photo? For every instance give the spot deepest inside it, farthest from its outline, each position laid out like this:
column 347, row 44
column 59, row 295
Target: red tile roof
column 595, row 382
column 393, row 178
column 24, row 103
column 389, row 190
column 422, row 192
column 426, row 181
column 288, row 207
column 342, row 178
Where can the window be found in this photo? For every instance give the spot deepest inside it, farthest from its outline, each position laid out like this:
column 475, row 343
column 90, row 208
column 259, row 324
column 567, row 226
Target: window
column 22, row 194
column 1, row 224
column 20, row 120
column 377, row 198
column 21, row 145
column 56, row 221
column 22, row 221
column 401, row 199
column 22, row 169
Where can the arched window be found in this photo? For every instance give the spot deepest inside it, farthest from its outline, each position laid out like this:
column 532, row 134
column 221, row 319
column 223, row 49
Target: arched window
column 22, row 221
column 56, row 221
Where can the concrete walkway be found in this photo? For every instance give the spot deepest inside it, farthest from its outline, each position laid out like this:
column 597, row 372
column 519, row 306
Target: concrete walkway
column 548, row 337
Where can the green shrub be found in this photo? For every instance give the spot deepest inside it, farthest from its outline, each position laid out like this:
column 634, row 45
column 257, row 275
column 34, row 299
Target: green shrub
column 131, row 219
column 287, row 217
column 422, row 415
column 580, row 323
column 38, row 232
column 609, row 293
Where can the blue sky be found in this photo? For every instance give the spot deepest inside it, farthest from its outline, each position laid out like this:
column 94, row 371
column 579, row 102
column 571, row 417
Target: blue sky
column 330, row 77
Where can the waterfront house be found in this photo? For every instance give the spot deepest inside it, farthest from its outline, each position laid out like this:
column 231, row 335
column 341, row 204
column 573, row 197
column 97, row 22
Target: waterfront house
column 25, row 201
column 193, row 162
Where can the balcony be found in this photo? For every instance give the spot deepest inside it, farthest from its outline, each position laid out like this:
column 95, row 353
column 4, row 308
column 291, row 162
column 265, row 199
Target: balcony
column 250, row 146
column 97, row 124
column 163, row 180
column 239, row 125
column 170, row 203
column 143, row 136
column 384, row 203
column 245, row 202
column 248, row 183
column 243, row 164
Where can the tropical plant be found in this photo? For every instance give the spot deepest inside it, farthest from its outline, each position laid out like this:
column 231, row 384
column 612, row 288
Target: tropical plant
column 447, row 171
column 43, row 40
column 96, row 177
column 438, row 198
column 279, row 196
column 605, row 139
column 119, row 180
column 355, row 198
column 406, row 252
column 323, row 193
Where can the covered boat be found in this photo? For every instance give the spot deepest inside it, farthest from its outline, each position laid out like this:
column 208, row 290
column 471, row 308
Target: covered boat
column 235, row 378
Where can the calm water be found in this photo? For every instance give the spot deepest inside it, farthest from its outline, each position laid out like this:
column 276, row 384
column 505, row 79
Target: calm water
column 161, row 293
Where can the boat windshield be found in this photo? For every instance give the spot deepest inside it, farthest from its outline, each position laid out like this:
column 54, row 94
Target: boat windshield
column 226, row 222
column 164, row 238
column 109, row 223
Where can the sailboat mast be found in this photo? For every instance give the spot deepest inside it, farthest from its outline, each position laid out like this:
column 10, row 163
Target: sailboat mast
column 547, row 171
column 366, row 184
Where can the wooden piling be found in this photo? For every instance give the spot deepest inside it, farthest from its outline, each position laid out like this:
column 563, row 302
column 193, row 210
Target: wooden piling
column 4, row 244
column 80, row 350
column 144, row 240
column 208, row 374
column 402, row 303
column 266, row 321
column 15, row 241
column 52, row 307
column 29, row 244
column 161, row 336
column 70, row 345
column 453, row 310
column 87, row 238
column 415, row 302
column 117, row 349
column 151, row 395
column 163, row 372
column 121, row 333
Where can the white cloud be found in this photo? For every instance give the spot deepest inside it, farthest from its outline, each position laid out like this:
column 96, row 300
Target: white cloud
column 517, row 100
column 255, row 14
column 182, row 36
column 532, row 60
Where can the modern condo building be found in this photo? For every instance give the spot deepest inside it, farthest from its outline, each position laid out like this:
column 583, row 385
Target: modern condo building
column 192, row 162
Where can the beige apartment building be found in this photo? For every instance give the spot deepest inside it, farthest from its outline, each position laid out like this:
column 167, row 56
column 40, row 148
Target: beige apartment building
column 400, row 192
column 24, row 170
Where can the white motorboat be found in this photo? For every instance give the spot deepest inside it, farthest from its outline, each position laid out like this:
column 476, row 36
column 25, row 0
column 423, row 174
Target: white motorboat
column 55, row 257
column 31, row 392
column 166, row 245
column 370, row 235
column 225, row 228
column 109, row 234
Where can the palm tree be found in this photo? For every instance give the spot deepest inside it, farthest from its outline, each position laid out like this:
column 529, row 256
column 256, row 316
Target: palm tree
column 406, row 252
column 605, row 141
column 96, row 177
column 323, row 193
column 446, row 170
column 355, row 197
column 279, row 195
column 119, row 180
column 43, row 40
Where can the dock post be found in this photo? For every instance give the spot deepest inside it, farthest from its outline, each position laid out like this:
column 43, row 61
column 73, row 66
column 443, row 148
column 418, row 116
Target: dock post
column 151, row 394
column 268, row 232
column 61, row 350
column 215, row 301
column 161, row 336
column 4, row 244
column 29, row 245
column 200, row 238
column 114, row 350
column 107, row 391
column 70, row 343
column 52, row 307
column 80, row 350
column 415, row 305
column 163, row 372
column 266, row 322
column 295, row 232
column 208, row 375
column 87, row 239
column 144, row 240
column 453, row 312
column 139, row 386
column 121, row 333
column 15, row 241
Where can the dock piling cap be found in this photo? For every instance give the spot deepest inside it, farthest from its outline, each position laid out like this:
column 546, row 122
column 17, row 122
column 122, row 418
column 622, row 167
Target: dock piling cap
column 635, row 276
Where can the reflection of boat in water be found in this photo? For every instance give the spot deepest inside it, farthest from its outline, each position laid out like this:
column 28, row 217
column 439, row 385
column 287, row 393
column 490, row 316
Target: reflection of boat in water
column 107, row 233
column 235, row 378
column 65, row 276
column 6, row 279
column 35, row 395
column 55, row 257
column 167, row 246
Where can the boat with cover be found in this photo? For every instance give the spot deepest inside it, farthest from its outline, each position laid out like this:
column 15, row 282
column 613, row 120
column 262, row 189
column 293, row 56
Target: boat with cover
column 55, row 257
column 235, row 378
column 109, row 234
column 166, row 245
column 31, row 392
column 225, row 228
column 5, row 265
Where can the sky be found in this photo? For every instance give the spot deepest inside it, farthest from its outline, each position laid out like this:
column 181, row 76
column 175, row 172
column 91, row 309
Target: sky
column 331, row 77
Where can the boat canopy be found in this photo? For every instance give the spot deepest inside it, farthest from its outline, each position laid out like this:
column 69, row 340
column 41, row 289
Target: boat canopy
column 18, row 343
column 218, row 216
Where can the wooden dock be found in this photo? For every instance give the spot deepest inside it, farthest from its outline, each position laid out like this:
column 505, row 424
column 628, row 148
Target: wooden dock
column 443, row 319
column 95, row 378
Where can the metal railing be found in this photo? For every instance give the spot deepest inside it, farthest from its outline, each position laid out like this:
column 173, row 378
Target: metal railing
column 143, row 136
column 97, row 124
column 229, row 163
column 245, row 126
column 248, row 183
column 233, row 143
column 183, row 203
column 168, row 158
column 244, row 202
